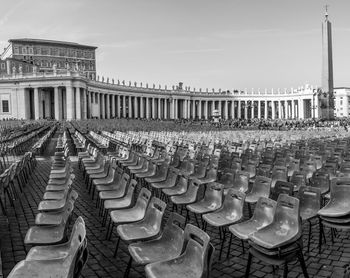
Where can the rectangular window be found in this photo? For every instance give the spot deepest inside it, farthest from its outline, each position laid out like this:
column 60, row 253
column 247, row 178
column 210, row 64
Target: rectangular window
column 5, row 106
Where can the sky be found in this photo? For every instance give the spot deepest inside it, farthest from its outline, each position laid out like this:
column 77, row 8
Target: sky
column 220, row 44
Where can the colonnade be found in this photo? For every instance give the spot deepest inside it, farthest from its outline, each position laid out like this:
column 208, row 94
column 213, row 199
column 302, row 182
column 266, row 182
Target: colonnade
column 74, row 102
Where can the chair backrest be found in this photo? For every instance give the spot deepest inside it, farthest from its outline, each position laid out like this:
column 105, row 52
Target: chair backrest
column 264, row 212
column 282, row 187
column 154, row 213
column 143, row 198
column 173, row 230
column 262, row 184
column 241, row 181
column 195, row 247
column 310, row 198
column 214, row 193
column 234, row 203
column 298, row 179
column 227, row 179
column 212, row 173
column 288, row 213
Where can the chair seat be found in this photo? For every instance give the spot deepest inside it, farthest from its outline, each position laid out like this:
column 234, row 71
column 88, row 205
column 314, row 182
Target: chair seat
column 127, row 215
column 45, row 235
column 144, row 175
column 183, row 199
column 56, row 187
column 154, row 251
column 52, row 205
column 162, row 184
column 111, row 194
column 91, row 172
column 54, row 195
column 137, row 231
column 221, row 219
column 174, row 191
column 203, row 207
column 308, row 213
column 49, row 219
column 204, row 180
column 98, row 176
column 117, row 203
column 58, row 175
column 107, row 187
column 40, row 269
column 275, row 235
column 244, row 229
column 336, row 209
column 339, row 220
column 253, row 198
column 155, row 179
column 104, row 181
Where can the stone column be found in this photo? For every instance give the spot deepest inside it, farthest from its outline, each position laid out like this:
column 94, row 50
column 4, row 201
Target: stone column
column 273, row 109
column 206, row 110
column 108, row 106
column 239, row 110
column 226, row 110
column 130, row 114
column 266, row 114
column 165, row 109
column 293, row 108
column 219, row 108
column 142, row 114
column 199, row 109
column 252, row 110
column 147, row 108
column 232, row 109
column 245, row 110
column 103, row 106
column 36, row 103
column 136, row 110
column 159, row 108
column 259, row 109
column 70, row 102
column 301, row 109
column 153, row 108
column 193, row 109
column 118, row 106
column 176, row 109
column 57, row 103
column 77, row 103
column 113, row 106
column 88, row 101
column 84, row 103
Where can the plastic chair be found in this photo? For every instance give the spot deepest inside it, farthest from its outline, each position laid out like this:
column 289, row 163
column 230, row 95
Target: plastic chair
column 132, row 214
column 285, row 227
column 241, row 181
column 179, row 188
column 231, row 212
column 261, row 188
column 65, row 260
column 282, row 187
column 310, row 204
column 193, row 262
column 278, row 173
column 263, row 216
column 338, row 204
column 298, row 179
column 210, row 176
column 147, row 228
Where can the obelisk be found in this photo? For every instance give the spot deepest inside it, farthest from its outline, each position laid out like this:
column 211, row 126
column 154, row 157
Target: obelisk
column 327, row 69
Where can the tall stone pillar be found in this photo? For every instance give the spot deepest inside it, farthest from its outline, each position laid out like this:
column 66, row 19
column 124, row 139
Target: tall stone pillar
column 108, row 106
column 136, row 108
column 266, row 111
column 259, row 109
column 130, row 114
column 84, row 104
column 36, row 103
column 57, row 104
column 147, row 108
column 246, row 110
column 113, row 106
column 252, row 109
column 273, row 110
column 77, row 103
column 239, row 110
column 199, row 109
column 226, row 110
column 103, row 106
column 232, row 109
column 165, row 109
column 159, row 108
column 153, row 108
column 301, row 109
column 118, row 106
column 70, row 103
column 142, row 113
column 176, row 109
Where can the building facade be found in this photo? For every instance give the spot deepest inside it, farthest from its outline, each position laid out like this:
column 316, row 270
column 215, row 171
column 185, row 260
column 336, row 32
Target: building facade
column 24, row 55
column 70, row 94
column 342, row 102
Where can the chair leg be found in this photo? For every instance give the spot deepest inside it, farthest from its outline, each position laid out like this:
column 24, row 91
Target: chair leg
column 127, row 271
column 320, row 235
column 249, row 261
column 302, row 263
column 229, row 247
column 309, row 238
column 285, row 270
column 222, row 243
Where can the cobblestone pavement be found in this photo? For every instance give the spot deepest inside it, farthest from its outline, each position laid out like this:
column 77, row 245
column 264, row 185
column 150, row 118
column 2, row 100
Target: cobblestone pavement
column 332, row 261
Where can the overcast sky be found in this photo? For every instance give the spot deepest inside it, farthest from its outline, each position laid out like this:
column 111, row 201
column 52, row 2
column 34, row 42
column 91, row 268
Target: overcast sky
column 227, row 44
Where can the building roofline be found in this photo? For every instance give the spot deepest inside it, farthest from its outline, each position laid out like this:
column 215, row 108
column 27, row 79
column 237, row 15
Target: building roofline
column 53, row 42
column 341, row 88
